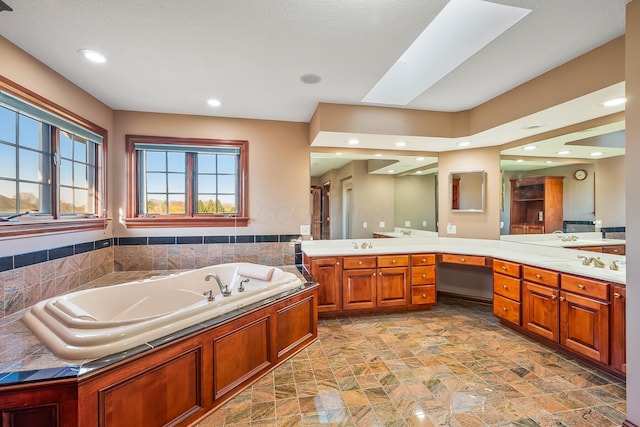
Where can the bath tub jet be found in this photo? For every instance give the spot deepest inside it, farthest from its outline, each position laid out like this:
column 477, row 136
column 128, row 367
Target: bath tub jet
column 97, row 322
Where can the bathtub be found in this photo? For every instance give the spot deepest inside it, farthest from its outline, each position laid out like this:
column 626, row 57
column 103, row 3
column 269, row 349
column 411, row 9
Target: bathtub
column 97, row 322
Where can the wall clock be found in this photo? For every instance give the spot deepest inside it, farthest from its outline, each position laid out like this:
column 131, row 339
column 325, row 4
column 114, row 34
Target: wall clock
column 580, row 174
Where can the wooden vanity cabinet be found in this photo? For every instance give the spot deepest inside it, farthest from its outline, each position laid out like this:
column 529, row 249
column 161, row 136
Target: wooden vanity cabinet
column 359, row 283
column 540, row 309
column 423, row 279
column 328, row 273
column 618, row 328
column 393, row 281
column 506, row 291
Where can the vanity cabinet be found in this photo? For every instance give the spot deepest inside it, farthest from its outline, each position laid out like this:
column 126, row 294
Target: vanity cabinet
column 328, row 273
column 507, row 291
column 393, row 281
column 618, row 300
column 540, row 308
column 423, row 279
column 536, row 205
column 370, row 282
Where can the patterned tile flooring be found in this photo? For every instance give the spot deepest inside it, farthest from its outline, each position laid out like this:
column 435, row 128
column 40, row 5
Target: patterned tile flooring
column 452, row 366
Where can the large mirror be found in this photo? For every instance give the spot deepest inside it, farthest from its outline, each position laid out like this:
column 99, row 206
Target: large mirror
column 363, row 194
column 466, row 191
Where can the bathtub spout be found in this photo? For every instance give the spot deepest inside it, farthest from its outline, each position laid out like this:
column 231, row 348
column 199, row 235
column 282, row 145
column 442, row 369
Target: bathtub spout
column 223, row 288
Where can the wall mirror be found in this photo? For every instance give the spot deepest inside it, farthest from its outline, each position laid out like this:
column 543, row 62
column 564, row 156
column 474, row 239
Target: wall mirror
column 466, row 191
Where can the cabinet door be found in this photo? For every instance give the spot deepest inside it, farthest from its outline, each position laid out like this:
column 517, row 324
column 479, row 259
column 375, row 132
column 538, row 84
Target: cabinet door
column 328, row 273
column 393, row 287
column 618, row 328
column 540, row 310
column 584, row 326
column 359, row 289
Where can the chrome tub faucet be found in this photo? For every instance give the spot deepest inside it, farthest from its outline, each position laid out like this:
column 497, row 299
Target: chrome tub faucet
column 224, row 289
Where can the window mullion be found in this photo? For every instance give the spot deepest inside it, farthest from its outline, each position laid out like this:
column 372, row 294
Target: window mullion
column 190, row 176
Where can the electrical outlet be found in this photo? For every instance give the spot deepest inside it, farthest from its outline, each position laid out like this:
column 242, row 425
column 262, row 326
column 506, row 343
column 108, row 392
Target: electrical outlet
column 407, row 223
column 305, row 230
column 381, row 224
column 424, row 223
column 364, row 224
column 451, row 229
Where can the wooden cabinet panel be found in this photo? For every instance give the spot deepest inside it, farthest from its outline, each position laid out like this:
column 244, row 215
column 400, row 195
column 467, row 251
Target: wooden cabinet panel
column 507, row 268
column 423, row 275
column 423, row 294
column 618, row 328
column 328, row 273
column 615, row 249
column 393, row 287
column 463, row 259
column 358, row 289
column 393, row 261
column 536, row 205
column 174, row 385
column 540, row 310
column 359, row 262
column 423, row 259
column 540, row 275
column 506, row 286
column 43, row 405
column 296, row 324
column 585, row 326
column 41, row 416
column 587, row 287
column 506, row 309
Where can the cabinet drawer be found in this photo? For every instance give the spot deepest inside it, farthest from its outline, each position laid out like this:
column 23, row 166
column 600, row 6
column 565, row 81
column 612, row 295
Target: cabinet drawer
column 614, row 249
column 508, row 287
column 359, row 262
column 539, row 275
column 587, row 287
column 463, row 259
column 423, row 259
column 506, row 309
column 393, row 261
column 423, row 294
column 506, row 267
column 423, row 275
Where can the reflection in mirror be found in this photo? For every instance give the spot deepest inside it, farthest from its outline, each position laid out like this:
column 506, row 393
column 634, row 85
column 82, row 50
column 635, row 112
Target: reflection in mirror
column 591, row 161
column 386, row 192
column 466, row 191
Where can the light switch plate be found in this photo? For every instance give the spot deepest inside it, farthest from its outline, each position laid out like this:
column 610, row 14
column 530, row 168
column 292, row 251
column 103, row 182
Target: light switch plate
column 451, row 229
column 365, row 225
column 381, row 224
column 305, row 230
column 407, row 223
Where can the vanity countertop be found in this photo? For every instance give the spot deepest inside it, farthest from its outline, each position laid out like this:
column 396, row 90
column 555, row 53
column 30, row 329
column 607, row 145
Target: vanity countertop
column 563, row 240
column 555, row 258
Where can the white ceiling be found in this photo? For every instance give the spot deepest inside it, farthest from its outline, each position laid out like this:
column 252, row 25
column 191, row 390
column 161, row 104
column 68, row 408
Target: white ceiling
column 168, row 56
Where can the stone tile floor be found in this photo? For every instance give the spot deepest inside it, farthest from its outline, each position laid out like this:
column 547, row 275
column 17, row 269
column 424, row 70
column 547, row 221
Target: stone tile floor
column 452, row 366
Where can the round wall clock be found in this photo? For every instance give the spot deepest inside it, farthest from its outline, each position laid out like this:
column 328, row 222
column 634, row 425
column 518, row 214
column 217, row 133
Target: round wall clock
column 580, row 174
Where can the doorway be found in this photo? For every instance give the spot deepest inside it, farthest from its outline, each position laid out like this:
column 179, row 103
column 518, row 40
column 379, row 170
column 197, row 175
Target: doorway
column 347, row 205
column 321, row 212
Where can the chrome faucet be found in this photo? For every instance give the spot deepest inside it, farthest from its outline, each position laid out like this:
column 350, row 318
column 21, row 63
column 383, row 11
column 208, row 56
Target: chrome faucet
column 209, row 294
column 242, row 282
column 224, row 289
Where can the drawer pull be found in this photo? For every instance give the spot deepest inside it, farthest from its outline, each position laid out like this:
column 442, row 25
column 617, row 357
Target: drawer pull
column 553, row 296
column 461, row 259
column 616, row 295
column 424, row 260
column 504, row 308
column 504, row 286
column 561, row 299
column 504, row 267
column 538, row 276
column 424, row 295
column 580, row 286
column 373, row 275
column 359, row 262
column 424, row 276
column 338, row 263
column 393, row 261
column 379, row 274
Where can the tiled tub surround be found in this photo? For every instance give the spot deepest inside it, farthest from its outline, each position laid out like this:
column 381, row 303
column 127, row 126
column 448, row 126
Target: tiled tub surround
column 32, row 277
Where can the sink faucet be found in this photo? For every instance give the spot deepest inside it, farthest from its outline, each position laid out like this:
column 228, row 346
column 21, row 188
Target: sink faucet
column 223, row 288
column 597, row 262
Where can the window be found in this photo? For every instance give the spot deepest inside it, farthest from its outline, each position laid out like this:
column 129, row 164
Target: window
column 186, row 182
column 51, row 163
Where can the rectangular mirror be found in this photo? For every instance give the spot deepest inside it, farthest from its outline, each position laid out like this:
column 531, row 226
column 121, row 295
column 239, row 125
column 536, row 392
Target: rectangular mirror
column 466, row 191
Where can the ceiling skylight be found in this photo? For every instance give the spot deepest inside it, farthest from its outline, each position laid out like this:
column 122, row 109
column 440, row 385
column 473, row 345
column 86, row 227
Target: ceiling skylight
column 460, row 30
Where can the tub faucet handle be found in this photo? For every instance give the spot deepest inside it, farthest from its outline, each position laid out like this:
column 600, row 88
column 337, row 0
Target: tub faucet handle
column 209, row 295
column 242, row 282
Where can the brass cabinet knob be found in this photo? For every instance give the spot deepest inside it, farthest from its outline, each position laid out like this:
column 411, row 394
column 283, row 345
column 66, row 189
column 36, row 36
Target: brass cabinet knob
column 424, row 276
column 538, row 276
column 338, row 263
column 393, row 261
column 461, row 259
column 553, row 296
column 504, row 267
column 561, row 299
column 424, row 295
column 616, row 295
column 504, row 308
column 359, row 262
column 504, row 286
column 380, row 273
column 424, row 260
column 580, row 286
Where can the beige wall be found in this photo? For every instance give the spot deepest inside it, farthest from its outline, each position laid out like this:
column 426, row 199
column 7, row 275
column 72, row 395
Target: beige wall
column 278, row 168
column 610, row 191
column 632, row 73
column 480, row 225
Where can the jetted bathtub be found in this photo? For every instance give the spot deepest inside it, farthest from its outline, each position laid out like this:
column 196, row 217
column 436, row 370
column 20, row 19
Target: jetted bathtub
column 97, row 322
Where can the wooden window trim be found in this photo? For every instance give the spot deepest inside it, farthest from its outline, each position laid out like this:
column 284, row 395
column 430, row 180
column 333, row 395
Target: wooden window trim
column 190, row 219
column 60, row 223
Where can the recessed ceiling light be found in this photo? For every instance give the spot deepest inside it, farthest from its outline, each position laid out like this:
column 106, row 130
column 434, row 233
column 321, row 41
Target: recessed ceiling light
column 563, row 152
column 614, row 102
column 390, row 171
column 462, row 28
column 214, row 103
column 419, row 158
column 596, row 153
column 310, row 79
column 353, row 141
column 401, row 144
column 338, row 154
column 548, row 161
column 464, row 144
column 418, row 172
column 378, row 155
column 519, row 161
column 92, row 55
column 529, row 147
column 532, row 126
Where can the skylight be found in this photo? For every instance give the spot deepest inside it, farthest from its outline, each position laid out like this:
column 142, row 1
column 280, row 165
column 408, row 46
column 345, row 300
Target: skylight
column 460, row 30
